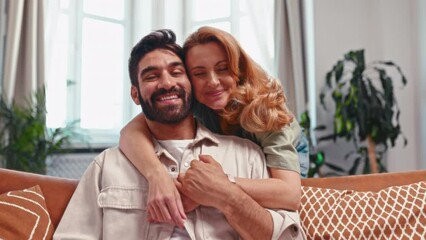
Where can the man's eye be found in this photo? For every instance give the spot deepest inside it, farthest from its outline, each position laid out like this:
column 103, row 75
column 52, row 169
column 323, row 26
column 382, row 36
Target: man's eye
column 150, row 77
column 177, row 73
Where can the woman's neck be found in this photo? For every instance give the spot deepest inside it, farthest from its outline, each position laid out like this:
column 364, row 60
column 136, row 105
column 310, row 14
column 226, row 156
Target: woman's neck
column 228, row 129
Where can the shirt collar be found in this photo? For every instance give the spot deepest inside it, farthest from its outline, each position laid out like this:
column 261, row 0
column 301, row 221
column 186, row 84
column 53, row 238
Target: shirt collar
column 202, row 135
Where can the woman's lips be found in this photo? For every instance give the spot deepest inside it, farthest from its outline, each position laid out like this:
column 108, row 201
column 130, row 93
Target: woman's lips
column 214, row 93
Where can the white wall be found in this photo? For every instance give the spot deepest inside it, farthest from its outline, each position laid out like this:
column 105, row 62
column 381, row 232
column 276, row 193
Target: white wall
column 387, row 30
column 421, row 16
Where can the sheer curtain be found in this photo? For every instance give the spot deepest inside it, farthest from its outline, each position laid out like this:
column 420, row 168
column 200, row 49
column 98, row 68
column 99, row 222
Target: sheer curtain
column 2, row 37
column 23, row 71
column 256, row 33
column 289, row 53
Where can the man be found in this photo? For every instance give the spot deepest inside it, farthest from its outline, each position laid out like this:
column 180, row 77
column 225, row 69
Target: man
column 110, row 200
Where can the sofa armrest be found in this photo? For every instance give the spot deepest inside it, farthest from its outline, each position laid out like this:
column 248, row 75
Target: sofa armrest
column 57, row 191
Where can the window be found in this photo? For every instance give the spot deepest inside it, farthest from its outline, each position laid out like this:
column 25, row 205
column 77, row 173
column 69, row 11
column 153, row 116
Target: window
column 87, row 76
column 89, row 42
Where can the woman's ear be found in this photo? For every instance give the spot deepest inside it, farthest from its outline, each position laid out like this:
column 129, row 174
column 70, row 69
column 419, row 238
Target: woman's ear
column 135, row 95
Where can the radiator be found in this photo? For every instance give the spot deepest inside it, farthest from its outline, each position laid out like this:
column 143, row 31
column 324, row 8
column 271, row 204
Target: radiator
column 69, row 165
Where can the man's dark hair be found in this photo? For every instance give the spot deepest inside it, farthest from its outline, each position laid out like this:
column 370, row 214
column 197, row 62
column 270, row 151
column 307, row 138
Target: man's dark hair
column 163, row 38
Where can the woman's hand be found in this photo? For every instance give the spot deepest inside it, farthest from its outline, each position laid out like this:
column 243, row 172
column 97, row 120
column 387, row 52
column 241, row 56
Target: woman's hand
column 164, row 202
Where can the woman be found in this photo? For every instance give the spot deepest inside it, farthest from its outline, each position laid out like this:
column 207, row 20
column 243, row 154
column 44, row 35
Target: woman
column 234, row 96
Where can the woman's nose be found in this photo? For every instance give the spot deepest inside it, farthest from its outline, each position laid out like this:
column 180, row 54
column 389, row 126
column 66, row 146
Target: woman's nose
column 213, row 80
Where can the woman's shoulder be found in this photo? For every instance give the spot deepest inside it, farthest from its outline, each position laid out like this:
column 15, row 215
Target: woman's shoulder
column 288, row 134
column 234, row 141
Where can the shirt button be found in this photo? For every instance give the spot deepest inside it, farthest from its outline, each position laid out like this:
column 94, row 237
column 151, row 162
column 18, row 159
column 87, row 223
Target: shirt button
column 186, row 164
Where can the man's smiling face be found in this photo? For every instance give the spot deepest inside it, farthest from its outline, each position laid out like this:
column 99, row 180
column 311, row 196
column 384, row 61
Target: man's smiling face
column 164, row 89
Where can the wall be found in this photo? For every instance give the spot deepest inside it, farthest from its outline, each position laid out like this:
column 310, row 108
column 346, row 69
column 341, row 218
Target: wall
column 387, row 30
column 421, row 15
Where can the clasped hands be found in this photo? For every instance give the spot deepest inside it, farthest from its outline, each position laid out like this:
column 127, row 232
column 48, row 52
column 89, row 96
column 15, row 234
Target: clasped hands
column 204, row 183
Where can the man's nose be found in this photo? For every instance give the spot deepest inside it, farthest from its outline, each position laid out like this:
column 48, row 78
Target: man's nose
column 166, row 82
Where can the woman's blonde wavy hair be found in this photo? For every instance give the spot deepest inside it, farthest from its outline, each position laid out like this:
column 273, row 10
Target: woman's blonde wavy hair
column 258, row 104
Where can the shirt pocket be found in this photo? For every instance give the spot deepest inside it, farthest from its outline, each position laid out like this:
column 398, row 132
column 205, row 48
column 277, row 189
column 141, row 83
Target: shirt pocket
column 123, row 198
column 124, row 212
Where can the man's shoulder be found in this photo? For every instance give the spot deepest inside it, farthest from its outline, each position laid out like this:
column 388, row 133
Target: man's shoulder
column 111, row 152
column 117, row 170
column 112, row 155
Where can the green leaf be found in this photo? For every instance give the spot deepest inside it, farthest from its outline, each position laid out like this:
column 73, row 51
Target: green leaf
column 349, row 154
column 321, row 97
column 328, row 79
column 354, row 167
column 339, row 70
column 334, row 167
column 327, row 138
column 338, row 125
column 320, row 128
column 366, row 166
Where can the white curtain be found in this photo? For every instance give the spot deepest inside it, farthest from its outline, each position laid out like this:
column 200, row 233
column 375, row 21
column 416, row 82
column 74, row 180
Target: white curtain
column 23, row 71
column 2, row 37
column 289, row 53
column 261, row 25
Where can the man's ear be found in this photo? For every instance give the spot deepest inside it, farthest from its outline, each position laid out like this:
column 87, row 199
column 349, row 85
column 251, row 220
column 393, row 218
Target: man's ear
column 134, row 93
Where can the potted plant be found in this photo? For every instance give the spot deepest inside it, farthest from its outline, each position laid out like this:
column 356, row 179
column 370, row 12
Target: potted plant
column 365, row 108
column 25, row 141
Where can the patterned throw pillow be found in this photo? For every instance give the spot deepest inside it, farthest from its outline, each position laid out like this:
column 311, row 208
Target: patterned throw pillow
column 23, row 215
column 397, row 212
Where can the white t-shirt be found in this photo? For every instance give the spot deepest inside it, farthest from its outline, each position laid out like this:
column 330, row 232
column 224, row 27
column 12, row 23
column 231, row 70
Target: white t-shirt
column 176, row 148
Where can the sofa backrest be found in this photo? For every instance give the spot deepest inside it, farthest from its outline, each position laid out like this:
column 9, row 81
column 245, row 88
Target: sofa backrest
column 367, row 182
column 58, row 191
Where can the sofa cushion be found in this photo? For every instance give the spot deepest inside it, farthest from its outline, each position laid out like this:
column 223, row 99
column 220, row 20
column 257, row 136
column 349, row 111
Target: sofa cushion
column 23, row 215
column 397, row 212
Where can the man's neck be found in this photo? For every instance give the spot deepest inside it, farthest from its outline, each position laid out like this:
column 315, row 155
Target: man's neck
column 185, row 129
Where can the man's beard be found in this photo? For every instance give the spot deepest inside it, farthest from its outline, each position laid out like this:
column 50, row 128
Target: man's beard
column 171, row 114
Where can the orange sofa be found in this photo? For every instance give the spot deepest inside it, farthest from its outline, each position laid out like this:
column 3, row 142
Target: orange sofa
column 58, row 191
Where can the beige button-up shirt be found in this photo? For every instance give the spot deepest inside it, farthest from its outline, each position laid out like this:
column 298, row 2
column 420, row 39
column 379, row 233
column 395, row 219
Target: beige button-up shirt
column 110, row 200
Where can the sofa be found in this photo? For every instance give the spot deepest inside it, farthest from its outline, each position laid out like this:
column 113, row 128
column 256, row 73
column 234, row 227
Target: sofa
column 331, row 207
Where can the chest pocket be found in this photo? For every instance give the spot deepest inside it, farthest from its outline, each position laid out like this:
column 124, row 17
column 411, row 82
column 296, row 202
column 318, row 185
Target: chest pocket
column 125, row 214
column 123, row 198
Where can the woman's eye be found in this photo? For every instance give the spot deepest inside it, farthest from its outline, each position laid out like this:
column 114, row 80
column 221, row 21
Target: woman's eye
column 198, row 74
column 223, row 69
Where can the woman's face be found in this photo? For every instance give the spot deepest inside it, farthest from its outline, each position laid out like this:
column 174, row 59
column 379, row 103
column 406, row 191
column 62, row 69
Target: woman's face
column 210, row 75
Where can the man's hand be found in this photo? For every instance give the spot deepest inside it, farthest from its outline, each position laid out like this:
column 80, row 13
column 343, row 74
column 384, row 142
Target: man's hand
column 164, row 202
column 188, row 204
column 205, row 182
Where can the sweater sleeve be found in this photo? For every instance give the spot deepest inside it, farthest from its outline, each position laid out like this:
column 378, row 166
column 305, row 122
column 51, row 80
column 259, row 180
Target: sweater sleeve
column 280, row 147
